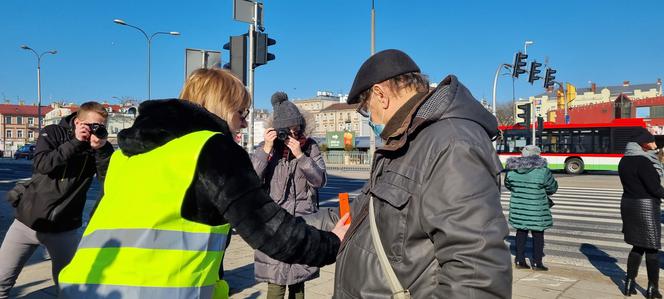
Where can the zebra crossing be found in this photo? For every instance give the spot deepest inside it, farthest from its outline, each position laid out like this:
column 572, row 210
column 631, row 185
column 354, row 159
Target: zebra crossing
column 587, row 228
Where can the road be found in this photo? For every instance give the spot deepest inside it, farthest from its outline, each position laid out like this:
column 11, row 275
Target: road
column 587, row 224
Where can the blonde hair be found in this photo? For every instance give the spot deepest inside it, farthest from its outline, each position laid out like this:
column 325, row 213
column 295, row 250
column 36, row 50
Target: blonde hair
column 217, row 90
column 88, row 107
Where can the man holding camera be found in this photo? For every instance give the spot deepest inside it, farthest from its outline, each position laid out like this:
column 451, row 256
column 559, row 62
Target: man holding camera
column 49, row 211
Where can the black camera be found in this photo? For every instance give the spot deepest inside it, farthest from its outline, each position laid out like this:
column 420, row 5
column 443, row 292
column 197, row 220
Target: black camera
column 98, row 130
column 282, row 134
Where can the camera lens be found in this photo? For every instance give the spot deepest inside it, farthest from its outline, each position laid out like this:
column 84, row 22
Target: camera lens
column 282, row 134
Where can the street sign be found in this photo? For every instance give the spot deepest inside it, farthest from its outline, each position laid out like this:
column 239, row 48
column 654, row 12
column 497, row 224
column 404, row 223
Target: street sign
column 243, row 11
column 196, row 58
column 340, row 139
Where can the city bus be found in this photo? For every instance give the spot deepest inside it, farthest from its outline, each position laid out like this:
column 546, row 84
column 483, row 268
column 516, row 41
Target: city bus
column 573, row 148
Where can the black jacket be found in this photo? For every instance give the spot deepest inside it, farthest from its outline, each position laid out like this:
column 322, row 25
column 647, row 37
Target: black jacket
column 226, row 188
column 639, row 178
column 640, row 205
column 63, row 168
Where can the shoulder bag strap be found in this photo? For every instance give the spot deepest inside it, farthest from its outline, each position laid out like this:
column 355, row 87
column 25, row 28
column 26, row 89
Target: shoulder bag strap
column 398, row 292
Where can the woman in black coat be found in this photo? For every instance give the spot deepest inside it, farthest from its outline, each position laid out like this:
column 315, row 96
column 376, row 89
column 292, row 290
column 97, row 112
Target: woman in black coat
column 640, row 174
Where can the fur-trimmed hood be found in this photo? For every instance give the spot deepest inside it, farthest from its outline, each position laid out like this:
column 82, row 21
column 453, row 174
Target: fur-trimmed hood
column 525, row 164
column 160, row 121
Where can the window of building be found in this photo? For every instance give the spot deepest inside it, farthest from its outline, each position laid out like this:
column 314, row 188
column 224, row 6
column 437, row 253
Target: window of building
column 8, row 120
column 19, row 120
column 31, row 135
column 19, row 134
column 8, row 134
column 31, row 120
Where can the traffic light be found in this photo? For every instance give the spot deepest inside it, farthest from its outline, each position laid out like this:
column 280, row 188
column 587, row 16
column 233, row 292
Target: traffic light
column 549, row 77
column 519, row 63
column 261, row 55
column 525, row 115
column 237, row 47
column 532, row 76
column 540, row 125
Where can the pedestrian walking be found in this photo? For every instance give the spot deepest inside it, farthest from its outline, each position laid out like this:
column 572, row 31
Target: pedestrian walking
column 291, row 168
column 49, row 207
column 531, row 183
column 641, row 174
column 172, row 194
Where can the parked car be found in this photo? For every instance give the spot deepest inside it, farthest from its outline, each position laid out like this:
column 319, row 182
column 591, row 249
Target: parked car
column 27, row 151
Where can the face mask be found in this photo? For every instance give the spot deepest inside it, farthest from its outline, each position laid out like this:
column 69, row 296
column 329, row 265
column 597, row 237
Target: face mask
column 378, row 129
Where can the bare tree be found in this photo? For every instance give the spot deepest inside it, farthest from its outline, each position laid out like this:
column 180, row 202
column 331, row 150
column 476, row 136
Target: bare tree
column 505, row 114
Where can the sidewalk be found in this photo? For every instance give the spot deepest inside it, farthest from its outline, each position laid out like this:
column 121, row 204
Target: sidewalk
column 562, row 281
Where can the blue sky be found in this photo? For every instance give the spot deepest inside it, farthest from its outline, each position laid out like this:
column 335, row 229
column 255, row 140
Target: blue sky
column 321, row 44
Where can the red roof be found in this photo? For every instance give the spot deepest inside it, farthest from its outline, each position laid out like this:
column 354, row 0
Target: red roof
column 22, row 110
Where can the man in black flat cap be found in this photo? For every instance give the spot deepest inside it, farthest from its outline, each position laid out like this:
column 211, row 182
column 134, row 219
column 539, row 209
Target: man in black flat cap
column 434, row 192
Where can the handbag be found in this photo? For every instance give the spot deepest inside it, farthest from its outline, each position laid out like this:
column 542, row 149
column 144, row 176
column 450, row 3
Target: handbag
column 551, row 203
column 15, row 194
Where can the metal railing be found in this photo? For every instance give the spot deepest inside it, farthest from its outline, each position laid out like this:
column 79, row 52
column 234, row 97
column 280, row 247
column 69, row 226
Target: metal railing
column 347, row 160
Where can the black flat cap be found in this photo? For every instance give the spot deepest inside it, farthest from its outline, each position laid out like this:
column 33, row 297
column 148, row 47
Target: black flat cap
column 378, row 68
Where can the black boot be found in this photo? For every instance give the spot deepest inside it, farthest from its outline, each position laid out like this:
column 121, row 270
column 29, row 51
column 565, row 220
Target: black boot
column 521, row 265
column 630, row 287
column 653, row 291
column 539, row 267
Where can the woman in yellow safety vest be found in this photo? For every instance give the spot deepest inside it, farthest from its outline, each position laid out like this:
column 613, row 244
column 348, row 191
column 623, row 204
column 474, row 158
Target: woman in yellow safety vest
column 172, row 193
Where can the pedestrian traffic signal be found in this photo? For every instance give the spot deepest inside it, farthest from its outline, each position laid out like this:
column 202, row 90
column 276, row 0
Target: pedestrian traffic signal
column 549, row 77
column 525, row 116
column 519, row 64
column 237, row 47
column 261, row 55
column 532, row 76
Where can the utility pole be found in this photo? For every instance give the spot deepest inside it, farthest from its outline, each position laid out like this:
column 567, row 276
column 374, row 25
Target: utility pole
column 372, row 135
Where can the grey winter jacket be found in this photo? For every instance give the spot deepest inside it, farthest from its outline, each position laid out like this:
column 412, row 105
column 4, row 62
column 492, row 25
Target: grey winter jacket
column 436, row 190
column 292, row 184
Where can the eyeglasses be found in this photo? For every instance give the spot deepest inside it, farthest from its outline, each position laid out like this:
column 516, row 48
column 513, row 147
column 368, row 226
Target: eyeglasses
column 244, row 113
column 363, row 108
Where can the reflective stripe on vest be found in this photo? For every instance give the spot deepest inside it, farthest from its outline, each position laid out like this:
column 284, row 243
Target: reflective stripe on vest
column 137, row 245
column 155, row 239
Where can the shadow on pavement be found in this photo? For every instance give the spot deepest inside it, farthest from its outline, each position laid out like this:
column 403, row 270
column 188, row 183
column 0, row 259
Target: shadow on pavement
column 606, row 264
column 20, row 289
column 240, row 279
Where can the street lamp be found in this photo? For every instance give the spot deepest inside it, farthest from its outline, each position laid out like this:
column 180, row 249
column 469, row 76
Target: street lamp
column 525, row 46
column 39, row 56
column 149, row 39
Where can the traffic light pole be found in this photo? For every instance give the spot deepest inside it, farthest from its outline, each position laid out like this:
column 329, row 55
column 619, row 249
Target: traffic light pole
column 495, row 83
column 533, row 120
column 252, row 49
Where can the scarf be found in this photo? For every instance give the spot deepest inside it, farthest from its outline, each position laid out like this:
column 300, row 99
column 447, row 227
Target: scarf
column 634, row 149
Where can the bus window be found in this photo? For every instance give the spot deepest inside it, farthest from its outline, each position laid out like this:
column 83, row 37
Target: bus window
column 565, row 142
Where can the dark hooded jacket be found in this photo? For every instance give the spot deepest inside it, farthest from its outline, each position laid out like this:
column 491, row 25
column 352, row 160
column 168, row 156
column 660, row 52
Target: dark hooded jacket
column 225, row 188
column 63, row 168
column 436, row 190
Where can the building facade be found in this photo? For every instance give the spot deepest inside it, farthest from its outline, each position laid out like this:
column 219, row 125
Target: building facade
column 547, row 104
column 19, row 126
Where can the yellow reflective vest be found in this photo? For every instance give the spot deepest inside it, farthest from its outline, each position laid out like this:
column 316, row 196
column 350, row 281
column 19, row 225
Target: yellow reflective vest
column 137, row 245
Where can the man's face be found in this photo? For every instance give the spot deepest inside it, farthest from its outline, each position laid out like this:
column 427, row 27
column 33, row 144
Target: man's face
column 90, row 118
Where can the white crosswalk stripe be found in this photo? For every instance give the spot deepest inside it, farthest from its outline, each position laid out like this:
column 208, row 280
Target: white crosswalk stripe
column 587, row 226
column 586, row 230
